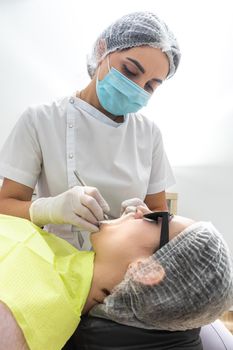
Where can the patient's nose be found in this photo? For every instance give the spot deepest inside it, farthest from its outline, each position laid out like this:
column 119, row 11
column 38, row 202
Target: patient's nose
column 139, row 213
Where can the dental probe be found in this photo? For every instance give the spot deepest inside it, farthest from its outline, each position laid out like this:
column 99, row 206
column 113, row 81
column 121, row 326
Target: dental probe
column 83, row 184
column 79, row 178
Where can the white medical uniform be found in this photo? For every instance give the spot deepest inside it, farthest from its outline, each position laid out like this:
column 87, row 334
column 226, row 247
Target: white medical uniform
column 50, row 141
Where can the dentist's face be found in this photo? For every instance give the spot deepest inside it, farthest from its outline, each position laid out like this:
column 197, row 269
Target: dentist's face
column 146, row 66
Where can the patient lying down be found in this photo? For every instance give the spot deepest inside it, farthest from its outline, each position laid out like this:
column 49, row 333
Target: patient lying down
column 129, row 277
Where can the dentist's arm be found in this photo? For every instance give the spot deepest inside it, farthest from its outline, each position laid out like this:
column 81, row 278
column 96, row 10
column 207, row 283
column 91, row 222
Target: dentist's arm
column 15, row 199
column 157, row 201
column 153, row 202
column 79, row 206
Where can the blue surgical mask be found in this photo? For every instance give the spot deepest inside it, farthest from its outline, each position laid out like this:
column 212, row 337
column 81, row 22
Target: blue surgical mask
column 119, row 95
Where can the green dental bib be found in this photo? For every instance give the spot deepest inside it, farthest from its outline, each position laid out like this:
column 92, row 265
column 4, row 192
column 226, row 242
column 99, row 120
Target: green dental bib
column 44, row 281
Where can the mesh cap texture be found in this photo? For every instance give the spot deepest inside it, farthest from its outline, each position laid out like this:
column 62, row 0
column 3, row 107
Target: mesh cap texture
column 133, row 30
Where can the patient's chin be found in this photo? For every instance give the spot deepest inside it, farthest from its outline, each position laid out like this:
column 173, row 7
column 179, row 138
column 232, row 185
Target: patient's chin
column 10, row 333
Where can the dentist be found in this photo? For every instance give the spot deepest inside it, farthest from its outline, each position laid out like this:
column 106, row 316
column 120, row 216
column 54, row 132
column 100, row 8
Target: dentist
column 99, row 132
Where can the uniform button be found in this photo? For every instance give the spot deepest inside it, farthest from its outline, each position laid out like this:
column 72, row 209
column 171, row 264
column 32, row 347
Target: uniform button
column 71, row 125
column 71, row 100
column 71, row 155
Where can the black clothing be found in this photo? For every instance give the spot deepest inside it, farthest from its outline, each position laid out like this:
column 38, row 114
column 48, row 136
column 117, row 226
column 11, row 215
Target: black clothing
column 100, row 334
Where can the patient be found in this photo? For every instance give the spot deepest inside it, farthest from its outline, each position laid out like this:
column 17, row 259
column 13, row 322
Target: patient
column 46, row 283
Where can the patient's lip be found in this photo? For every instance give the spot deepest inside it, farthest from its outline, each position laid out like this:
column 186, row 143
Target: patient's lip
column 122, row 218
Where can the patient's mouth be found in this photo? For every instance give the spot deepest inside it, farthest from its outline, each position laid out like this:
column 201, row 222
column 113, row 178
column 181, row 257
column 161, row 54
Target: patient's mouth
column 122, row 218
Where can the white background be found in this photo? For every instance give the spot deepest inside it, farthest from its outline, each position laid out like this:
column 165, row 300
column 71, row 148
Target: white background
column 43, row 48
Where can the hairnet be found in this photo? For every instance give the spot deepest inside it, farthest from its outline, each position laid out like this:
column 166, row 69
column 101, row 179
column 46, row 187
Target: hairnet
column 135, row 29
column 197, row 287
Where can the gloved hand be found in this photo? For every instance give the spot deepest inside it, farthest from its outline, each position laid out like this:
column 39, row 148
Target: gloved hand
column 131, row 205
column 81, row 206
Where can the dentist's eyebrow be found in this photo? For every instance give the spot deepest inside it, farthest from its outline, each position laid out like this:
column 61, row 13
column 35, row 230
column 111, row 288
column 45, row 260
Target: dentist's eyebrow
column 140, row 67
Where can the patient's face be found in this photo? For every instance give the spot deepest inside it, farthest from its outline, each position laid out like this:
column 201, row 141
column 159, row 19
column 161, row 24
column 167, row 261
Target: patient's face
column 132, row 237
column 129, row 236
column 121, row 246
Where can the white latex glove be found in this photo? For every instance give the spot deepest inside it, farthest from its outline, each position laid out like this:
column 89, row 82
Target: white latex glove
column 131, row 205
column 81, row 206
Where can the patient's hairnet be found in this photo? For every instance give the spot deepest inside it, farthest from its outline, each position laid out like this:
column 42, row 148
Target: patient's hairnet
column 135, row 29
column 197, row 287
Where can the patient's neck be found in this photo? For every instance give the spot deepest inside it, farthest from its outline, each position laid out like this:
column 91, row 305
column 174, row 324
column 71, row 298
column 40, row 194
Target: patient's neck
column 106, row 275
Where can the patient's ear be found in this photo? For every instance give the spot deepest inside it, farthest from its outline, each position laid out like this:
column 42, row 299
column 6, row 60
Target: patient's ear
column 145, row 271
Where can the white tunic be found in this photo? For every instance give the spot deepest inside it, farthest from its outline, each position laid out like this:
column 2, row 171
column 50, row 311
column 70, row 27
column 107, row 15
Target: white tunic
column 50, row 141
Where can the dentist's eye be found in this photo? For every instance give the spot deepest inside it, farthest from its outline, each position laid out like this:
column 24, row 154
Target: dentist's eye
column 128, row 72
column 149, row 88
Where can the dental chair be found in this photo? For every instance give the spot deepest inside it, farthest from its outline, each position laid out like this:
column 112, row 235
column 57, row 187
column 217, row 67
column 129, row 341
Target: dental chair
column 214, row 336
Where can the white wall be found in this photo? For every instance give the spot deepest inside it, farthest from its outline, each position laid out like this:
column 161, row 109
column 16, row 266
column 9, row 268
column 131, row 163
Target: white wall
column 43, row 47
column 205, row 193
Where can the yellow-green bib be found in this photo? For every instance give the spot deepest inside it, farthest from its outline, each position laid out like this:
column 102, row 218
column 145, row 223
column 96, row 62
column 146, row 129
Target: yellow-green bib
column 44, row 281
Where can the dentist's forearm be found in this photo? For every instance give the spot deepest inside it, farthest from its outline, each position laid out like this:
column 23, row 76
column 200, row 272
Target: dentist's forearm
column 15, row 207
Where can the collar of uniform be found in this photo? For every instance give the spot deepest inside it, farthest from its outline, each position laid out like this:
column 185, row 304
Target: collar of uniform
column 94, row 112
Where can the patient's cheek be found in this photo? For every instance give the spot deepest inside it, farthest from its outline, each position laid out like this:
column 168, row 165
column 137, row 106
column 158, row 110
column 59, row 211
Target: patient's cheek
column 10, row 334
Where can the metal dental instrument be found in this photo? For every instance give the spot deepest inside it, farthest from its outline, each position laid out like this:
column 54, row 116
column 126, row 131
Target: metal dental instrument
column 79, row 178
column 83, row 184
